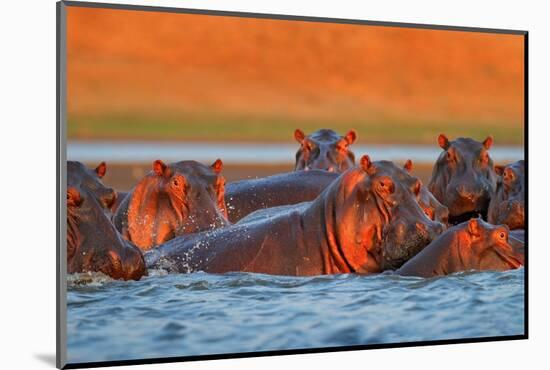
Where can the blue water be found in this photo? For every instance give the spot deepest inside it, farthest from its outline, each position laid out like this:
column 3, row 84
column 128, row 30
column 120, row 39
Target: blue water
column 197, row 314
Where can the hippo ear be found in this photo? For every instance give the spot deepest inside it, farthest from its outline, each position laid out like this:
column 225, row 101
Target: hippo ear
column 350, row 137
column 299, row 135
column 365, row 163
column 443, row 141
column 499, row 170
column 73, row 197
column 487, row 143
column 217, row 166
column 101, row 169
column 159, row 167
column 408, row 166
column 473, row 227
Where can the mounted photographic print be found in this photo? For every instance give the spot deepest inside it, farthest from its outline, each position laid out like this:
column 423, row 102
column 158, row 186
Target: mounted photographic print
column 237, row 184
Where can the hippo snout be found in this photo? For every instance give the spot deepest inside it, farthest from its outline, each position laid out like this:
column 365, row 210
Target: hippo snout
column 469, row 193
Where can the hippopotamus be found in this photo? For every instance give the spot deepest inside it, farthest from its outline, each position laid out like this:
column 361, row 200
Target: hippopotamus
column 91, row 180
column 246, row 196
column 507, row 206
column 471, row 245
column 365, row 221
column 463, row 177
column 173, row 199
column 324, row 150
column 267, row 196
column 93, row 243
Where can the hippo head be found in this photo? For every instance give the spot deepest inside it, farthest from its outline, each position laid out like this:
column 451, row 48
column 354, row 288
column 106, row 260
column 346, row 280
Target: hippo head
column 324, row 150
column 463, row 178
column 478, row 245
column 508, row 204
column 410, row 229
column 431, row 206
column 378, row 221
column 93, row 244
column 471, row 245
column 175, row 199
column 91, row 181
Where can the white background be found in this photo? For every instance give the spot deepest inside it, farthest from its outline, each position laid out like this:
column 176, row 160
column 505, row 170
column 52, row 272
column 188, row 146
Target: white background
column 27, row 186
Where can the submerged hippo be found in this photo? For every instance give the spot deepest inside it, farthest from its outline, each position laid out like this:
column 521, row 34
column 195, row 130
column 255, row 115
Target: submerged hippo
column 471, row 245
column 366, row 221
column 172, row 200
column 463, row 178
column 507, row 206
column 246, row 196
column 324, row 150
column 93, row 244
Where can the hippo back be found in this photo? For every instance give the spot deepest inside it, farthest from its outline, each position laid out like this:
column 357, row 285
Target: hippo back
column 246, row 196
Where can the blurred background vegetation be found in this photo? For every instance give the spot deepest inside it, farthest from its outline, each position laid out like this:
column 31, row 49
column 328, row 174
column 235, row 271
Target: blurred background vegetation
column 159, row 76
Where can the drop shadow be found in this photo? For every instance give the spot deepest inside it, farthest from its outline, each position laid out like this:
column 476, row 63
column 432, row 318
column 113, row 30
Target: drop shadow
column 47, row 358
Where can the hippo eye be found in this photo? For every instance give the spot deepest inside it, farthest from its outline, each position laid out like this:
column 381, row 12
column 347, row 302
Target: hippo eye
column 502, row 235
column 450, row 156
column 177, row 182
column 386, row 186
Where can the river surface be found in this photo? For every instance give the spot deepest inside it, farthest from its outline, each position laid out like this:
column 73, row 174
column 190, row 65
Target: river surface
column 250, row 153
column 197, row 314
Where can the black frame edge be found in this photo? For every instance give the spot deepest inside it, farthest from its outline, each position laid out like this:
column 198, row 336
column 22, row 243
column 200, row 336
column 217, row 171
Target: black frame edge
column 61, row 312
column 526, row 157
column 289, row 352
column 287, row 17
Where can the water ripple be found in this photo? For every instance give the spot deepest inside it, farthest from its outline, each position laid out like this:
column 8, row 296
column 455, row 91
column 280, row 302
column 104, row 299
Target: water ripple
column 178, row 314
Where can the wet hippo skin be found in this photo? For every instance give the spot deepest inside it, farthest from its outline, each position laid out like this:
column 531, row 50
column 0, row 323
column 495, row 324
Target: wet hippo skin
column 93, row 243
column 507, row 206
column 471, row 245
column 324, row 150
column 355, row 225
column 463, row 178
column 175, row 199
